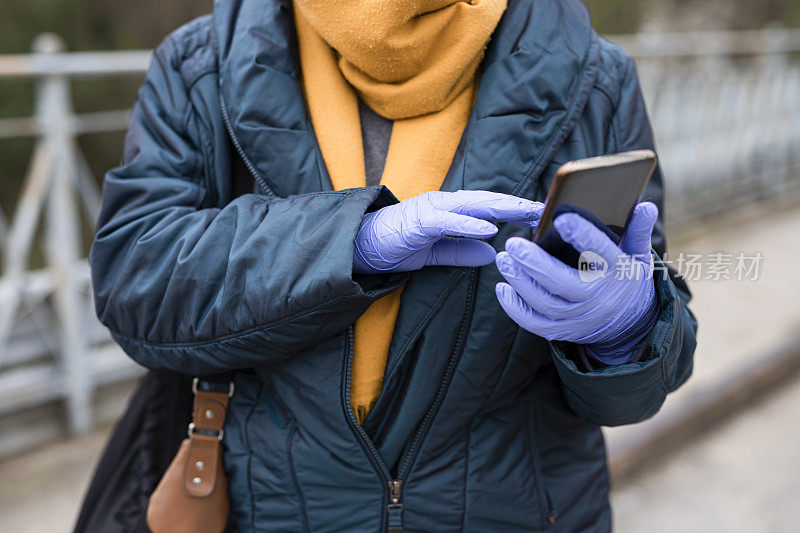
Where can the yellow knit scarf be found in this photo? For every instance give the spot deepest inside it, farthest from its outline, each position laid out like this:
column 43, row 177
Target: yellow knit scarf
column 413, row 61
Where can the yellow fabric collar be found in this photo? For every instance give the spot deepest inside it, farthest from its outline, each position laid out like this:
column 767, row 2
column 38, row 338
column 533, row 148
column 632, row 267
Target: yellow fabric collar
column 423, row 141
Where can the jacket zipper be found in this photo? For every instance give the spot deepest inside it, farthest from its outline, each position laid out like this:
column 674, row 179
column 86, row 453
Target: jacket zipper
column 235, row 140
column 394, row 508
column 394, row 511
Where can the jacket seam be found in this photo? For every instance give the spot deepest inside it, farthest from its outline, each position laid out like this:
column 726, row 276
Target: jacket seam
column 534, row 448
column 295, row 481
column 661, row 343
column 510, row 349
column 183, row 49
column 179, row 37
column 606, row 91
column 619, row 70
column 169, row 56
column 423, row 323
column 206, row 151
column 612, row 128
column 343, row 192
column 204, row 144
column 615, row 127
column 676, row 323
column 292, row 421
column 250, row 458
column 177, row 58
column 465, row 474
column 202, row 74
column 459, row 348
column 574, row 109
column 166, row 55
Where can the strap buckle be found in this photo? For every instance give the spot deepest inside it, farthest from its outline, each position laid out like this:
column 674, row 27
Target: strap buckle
column 192, row 432
column 196, row 381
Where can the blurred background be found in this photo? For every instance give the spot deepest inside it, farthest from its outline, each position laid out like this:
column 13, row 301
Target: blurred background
column 722, row 81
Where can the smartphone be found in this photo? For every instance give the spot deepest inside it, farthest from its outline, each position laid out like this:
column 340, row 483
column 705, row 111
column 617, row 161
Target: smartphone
column 608, row 186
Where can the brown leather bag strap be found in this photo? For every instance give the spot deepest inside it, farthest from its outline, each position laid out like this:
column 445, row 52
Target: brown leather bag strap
column 205, row 435
column 192, row 496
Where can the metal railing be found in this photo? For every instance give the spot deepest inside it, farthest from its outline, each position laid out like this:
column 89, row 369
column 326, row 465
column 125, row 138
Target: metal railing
column 51, row 345
column 725, row 108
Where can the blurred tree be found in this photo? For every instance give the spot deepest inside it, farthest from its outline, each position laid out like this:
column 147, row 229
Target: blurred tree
column 94, row 24
column 84, row 25
column 684, row 15
column 616, row 16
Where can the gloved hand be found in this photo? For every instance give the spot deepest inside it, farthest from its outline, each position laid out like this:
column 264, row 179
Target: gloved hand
column 437, row 228
column 611, row 313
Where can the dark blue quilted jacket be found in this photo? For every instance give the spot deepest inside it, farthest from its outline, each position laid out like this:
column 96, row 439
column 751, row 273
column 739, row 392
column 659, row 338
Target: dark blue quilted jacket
column 481, row 426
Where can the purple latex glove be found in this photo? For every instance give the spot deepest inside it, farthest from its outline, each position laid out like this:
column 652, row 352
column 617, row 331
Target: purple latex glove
column 602, row 308
column 437, row 228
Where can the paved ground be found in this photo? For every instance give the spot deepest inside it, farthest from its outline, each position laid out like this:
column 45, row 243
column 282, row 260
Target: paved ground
column 40, row 492
column 744, row 476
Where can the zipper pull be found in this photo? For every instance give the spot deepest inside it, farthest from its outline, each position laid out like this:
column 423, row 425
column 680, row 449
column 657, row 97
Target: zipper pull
column 395, row 508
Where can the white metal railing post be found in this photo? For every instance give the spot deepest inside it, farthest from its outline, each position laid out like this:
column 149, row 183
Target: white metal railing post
column 51, row 345
column 62, row 240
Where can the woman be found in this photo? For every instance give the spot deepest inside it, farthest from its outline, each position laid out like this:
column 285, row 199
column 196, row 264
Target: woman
column 391, row 369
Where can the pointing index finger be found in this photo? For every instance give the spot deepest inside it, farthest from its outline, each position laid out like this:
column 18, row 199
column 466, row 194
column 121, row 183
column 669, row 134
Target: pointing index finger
column 487, row 205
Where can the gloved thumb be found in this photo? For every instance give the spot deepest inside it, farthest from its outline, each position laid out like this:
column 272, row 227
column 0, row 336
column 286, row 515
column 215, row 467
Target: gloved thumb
column 636, row 240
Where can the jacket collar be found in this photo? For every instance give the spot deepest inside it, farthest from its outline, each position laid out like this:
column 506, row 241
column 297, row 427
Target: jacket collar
column 537, row 73
column 260, row 88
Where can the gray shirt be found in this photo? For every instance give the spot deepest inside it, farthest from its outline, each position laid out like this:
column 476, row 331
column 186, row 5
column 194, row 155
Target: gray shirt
column 376, row 132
